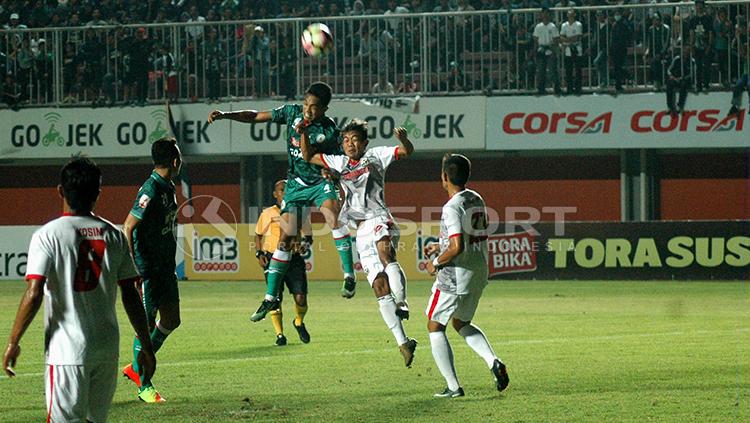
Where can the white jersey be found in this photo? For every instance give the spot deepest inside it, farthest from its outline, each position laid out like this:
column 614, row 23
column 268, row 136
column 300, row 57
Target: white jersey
column 464, row 214
column 363, row 182
column 82, row 258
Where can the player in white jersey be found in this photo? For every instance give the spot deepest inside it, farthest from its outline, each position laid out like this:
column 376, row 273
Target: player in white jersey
column 460, row 262
column 362, row 177
column 76, row 262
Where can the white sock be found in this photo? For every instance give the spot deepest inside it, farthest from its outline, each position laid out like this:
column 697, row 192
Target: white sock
column 443, row 355
column 388, row 311
column 396, row 281
column 479, row 343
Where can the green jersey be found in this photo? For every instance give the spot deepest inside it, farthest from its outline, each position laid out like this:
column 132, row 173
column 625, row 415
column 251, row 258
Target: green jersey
column 154, row 239
column 324, row 135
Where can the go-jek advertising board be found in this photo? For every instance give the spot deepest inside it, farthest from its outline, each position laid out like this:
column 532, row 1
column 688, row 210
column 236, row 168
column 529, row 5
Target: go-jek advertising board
column 605, row 121
column 433, row 123
column 107, row 132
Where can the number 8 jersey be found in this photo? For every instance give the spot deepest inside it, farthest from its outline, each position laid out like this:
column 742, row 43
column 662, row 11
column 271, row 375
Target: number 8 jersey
column 82, row 258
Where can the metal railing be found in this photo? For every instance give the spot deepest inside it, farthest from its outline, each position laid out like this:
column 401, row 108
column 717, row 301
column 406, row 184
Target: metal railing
column 477, row 52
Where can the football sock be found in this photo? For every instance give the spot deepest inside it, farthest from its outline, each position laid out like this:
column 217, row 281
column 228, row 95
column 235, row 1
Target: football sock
column 158, row 336
column 276, row 271
column 343, row 242
column 276, row 316
column 136, row 350
column 388, row 311
column 301, row 311
column 478, row 342
column 443, row 355
column 396, row 281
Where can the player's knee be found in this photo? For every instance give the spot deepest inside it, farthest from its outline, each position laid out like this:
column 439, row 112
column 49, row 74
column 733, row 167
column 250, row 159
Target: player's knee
column 380, row 285
column 300, row 300
column 170, row 323
column 458, row 324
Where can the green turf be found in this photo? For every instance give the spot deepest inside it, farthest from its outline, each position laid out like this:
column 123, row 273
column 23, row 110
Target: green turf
column 576, row 351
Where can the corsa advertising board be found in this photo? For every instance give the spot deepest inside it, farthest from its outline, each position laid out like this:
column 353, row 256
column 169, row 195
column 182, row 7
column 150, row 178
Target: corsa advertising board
column 605, row 121
column 680, row 250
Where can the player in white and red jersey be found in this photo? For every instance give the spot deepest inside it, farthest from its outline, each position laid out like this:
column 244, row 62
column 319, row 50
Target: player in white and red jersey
column 76, row 262
column 460, row 263
column 362, row 177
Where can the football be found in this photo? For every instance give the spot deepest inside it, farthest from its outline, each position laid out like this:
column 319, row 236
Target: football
column 317, row 39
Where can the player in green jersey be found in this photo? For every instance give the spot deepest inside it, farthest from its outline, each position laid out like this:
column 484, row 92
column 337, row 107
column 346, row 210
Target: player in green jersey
column 305, row 184
column 149, row 228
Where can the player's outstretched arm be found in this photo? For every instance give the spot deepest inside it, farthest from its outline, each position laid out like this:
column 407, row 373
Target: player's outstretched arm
column 30, row 304
column 308, row 151
column 407, row 148
column 245, row 116
column 131, row 301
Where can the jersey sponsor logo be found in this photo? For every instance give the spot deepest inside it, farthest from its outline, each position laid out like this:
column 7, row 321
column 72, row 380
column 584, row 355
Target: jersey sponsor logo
column 559, row 122
column 143, row 201
column 356, row 173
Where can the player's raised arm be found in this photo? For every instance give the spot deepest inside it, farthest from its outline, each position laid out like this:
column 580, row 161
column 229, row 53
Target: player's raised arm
column 308, row 151
column 245, row 116
column 407, row 148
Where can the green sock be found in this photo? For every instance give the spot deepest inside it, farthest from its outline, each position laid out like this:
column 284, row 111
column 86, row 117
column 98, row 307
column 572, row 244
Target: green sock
column 344, row 247
column 136, row 350
column 157, row 338
column 276, row 272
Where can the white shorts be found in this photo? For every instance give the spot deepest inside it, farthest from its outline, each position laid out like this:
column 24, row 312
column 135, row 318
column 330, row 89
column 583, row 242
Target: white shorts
column 79, row 393
column 369, row 233
column 443, row 306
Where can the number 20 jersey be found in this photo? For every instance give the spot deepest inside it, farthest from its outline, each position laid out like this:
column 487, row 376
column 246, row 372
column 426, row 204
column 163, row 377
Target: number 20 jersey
column 82, row 258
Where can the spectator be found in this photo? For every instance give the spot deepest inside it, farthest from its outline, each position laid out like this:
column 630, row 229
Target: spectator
column 373, row 8
column 442, row 6
column 621, row 40
column 358, row 9
column 741, row 46
column 742, row 84
column 45, row 71
column 678, row 79
column 166, row 68
column 11, row 92
column 214, row 57
column 14, row 22
column 455, row 80
column 193, row 66
column 701, row 42
column 195, row 31
column 600, row 48
column 25, row 67
column 260, row 51
column 286, row 69
column 723, row 29
column 524, row 48
column 657, row 53
column 70, row 64
column 407, row 86
column 393, row 9
column 139, row 53
column 571, row 34
column 96, row 19
column 383, row 86
column 545, row 40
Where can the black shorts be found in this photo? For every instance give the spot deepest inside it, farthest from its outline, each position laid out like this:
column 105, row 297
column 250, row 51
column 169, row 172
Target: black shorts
column 296, row 275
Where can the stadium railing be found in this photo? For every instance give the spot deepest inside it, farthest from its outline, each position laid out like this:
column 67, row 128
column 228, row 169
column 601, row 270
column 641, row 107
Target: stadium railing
column 474, row 52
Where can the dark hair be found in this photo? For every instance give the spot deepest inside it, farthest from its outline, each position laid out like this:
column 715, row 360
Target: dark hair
column 458, row 168
column 356, row 125
column 322, row 91
column 164, row 151
column 81, row 180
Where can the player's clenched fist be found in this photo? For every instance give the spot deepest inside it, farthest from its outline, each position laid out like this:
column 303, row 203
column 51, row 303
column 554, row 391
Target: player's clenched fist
column 10, row 357
column 215, row 115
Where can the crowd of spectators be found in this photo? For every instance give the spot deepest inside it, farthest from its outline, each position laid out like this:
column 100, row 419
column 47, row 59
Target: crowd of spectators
column 131, row 64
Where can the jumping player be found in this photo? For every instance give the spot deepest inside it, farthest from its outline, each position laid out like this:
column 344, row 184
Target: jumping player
column 150, row 227
column 76, row 262
column 305, row 184
column 362, row 176
column 461, row 267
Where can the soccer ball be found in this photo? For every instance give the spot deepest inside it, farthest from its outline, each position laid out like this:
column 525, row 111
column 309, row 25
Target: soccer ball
column 317, row 39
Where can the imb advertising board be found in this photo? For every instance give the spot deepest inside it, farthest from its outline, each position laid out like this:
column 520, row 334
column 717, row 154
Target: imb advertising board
column 608, row 250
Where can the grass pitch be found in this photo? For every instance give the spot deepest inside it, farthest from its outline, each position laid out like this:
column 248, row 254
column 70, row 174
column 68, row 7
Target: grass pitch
column 576, row 351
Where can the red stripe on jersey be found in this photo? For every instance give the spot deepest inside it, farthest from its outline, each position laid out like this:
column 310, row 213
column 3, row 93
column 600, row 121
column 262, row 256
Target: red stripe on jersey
column 395, row 153
column 454, row 235
column 434, row 303
column 51, row 391
column 132, row 280
column 342, row 237
column 323, row 159
column 32, row 277
column 279, row 260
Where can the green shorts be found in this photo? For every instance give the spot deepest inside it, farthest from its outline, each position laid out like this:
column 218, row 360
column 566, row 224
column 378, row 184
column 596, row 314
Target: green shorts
column 158, row 290
column 298, row 196
column 295, row 278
